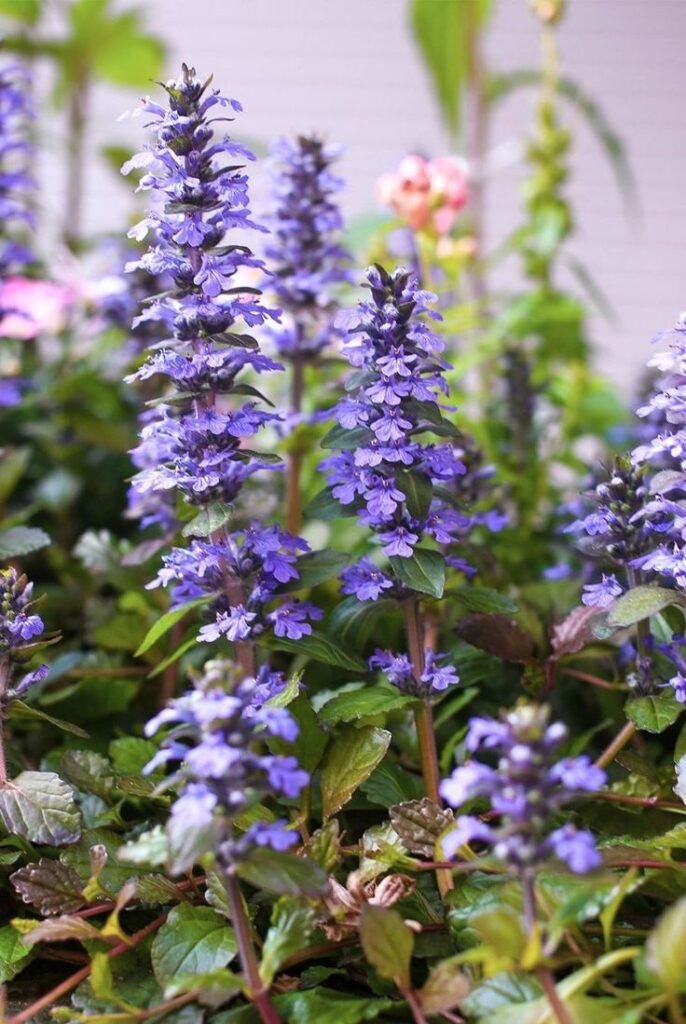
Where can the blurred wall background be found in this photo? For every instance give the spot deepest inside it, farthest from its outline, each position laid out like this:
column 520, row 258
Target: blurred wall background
column 351, row 71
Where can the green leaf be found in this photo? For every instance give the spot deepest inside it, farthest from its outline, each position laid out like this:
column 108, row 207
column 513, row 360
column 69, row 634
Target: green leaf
column 283, row 874
column 482, row 599
column 314, row 568
column 444, row 33
column 418, row 492
column 14, row 955
column 390, row 784
column 343, row 439
column 387, row 943
column 130, row 754
column 27, row 11
column 323, row 1006
column 324, row 506
column 167, row 621
column 319, row 647
column 208, row 520
column 655, row 712
column 423, row 572
column 665, row 947
column 24, row 712
column 353, row 621
column 311, row 741
column 501, row 928
column 350, row 759
column 49, row 886
column 373, row 700
column 640, row 603
column 193, row 940
column 22, row 540
column 40, row 807
column 291, row 927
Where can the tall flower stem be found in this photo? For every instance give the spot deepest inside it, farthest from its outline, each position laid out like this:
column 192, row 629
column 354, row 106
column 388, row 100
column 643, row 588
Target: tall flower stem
column 293, row 495
column 5, row 667
column 544, row 976
column 78, row 101
column 423, row 720
column 246, row 951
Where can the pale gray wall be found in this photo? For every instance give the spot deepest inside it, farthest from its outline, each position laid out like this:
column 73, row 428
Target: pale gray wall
column 348, row 68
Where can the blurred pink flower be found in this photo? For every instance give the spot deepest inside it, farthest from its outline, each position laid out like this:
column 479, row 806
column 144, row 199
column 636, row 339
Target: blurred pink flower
column 426, row 193
column 29, row 307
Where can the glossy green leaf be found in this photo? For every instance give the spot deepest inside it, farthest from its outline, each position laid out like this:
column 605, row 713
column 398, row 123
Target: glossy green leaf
column 193, row 940
column 350, row 759
column 167, row 622
column 373, row 700
column 387, row 943
column 283, row 874
column 208, row 520
column 418, row 492
column 292, row 924
column 655, row 712
column 14, row 955
column 423, row 572
column 319, row 647
column 481, row 599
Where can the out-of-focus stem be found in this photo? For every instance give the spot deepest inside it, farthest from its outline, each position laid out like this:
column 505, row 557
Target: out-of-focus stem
column 423, row 718
column 544, row 976
column 246, row 951
column 76, row 128
column 293, row 494
column 618, row 743
column 5, row 668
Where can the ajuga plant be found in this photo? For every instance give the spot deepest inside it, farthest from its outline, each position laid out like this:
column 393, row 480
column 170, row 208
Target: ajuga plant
column 196, row 446
column 397, row 482
column 525, row 790
column 308, row 264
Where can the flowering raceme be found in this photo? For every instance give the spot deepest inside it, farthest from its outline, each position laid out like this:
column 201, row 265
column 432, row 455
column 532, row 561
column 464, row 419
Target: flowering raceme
column 527, row 787
column 307, row 258
column 16, row 188
column 196, row 446
column 217, row 739
column 20, row 629
column 385, row 472
column 426, row 194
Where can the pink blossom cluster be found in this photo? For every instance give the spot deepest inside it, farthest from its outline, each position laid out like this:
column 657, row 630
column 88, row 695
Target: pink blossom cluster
column 426, row 194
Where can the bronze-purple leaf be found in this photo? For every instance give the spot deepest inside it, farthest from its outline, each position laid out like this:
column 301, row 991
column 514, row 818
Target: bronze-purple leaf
column 497, row 635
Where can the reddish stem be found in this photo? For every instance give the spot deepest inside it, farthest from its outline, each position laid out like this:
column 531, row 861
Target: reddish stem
column 73, row 981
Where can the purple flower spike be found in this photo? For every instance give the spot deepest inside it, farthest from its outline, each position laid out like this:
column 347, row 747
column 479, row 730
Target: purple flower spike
column 305, row 253
column 203, row 444
column 525, row 790
column 221, row 766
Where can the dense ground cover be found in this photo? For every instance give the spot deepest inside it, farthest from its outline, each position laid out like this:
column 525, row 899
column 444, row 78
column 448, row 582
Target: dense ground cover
column 333, row 687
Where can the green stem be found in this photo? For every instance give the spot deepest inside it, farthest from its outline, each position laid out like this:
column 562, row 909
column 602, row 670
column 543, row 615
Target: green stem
column 246, row 951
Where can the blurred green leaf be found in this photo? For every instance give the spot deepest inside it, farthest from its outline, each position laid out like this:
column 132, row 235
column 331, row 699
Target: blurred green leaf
column 445, row 31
